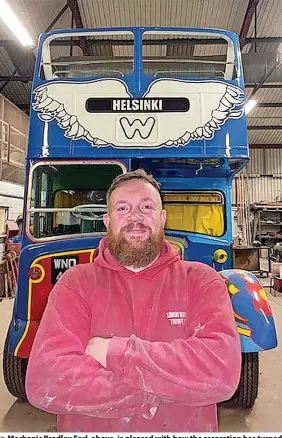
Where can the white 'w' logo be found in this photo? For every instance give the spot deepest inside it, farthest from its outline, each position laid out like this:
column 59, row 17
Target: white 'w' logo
column 144, row 130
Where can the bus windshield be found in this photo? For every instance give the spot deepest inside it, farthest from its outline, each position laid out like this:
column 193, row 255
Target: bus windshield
column 68, row 198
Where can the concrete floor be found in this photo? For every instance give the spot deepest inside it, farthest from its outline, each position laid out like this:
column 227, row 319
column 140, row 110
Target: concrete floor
column 266, row 416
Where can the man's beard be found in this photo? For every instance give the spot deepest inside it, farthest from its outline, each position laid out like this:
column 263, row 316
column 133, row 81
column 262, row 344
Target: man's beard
column 135, row 252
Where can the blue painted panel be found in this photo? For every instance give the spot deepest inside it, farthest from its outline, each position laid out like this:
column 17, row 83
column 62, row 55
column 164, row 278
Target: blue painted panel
column 31, row 252
column 228, row 135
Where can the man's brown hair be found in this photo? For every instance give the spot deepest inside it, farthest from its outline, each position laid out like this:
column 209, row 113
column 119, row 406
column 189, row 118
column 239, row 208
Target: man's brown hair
column 138, row 174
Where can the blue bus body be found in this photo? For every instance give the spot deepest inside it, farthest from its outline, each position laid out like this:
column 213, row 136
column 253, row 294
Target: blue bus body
column 188, row 131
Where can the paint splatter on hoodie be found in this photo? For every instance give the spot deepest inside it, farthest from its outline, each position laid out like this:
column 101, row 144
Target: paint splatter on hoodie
column 174, row 353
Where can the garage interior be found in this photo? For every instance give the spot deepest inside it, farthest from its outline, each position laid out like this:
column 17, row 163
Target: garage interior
column 257, row 189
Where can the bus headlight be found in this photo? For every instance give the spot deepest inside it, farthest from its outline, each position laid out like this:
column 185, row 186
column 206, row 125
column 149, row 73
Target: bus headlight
column 220, row 256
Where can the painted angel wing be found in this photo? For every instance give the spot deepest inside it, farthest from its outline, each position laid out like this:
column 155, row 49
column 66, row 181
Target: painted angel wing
column 65, row 102
column 225, row 110
column 212, row 103
column 51, row 108
column 225, row 101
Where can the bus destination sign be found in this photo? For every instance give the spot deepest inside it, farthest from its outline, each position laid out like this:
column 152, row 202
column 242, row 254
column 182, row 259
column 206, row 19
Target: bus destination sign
column 137, row 105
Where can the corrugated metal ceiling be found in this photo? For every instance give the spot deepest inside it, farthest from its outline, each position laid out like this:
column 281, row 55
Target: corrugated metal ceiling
column 268, row 95
column 19, row 91
column 265, row 137
column 36, row 15
column 269, row 15
column 264, row 113
column 269, row 121
column 6, row 65
column 186, row 13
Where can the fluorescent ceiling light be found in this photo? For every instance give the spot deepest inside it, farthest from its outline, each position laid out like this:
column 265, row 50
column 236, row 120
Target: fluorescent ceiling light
column 249, row 105
column 14, row 24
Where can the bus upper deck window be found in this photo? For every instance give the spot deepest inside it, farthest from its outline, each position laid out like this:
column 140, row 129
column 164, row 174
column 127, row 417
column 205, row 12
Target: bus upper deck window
column 188, row 55
column 77, row 55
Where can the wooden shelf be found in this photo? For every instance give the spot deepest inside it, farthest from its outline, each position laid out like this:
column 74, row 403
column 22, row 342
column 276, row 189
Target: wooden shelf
column 271, row 238
column 270, row 223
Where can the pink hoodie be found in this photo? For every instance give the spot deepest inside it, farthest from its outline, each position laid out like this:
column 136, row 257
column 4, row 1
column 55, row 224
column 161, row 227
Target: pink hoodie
column 174, row 353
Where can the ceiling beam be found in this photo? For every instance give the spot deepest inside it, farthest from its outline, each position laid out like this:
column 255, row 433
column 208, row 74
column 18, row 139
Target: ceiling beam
column 268, row 105
column 23, row 106
column 264, row 78
column 265, row 146
column 57, row 18
column 159, row 42
column 14, row 78
column 264, row 40
column 85, row 47
column 251, row 8
column 265, row 128
column 273, row 86
column 72, row 4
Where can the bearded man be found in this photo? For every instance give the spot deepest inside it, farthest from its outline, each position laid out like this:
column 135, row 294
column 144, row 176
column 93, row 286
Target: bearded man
column 139, row 340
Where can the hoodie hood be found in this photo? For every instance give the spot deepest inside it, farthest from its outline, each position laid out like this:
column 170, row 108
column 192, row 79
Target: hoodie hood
column 105, row 259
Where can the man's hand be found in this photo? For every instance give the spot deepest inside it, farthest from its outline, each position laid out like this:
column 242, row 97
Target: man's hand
column 98, row 348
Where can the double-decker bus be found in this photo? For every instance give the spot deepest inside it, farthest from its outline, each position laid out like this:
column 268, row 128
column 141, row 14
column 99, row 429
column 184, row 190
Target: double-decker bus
column 108, row 101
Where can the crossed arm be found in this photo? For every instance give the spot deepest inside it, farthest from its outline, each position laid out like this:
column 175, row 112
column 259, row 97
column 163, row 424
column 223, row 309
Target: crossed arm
column 70, row 373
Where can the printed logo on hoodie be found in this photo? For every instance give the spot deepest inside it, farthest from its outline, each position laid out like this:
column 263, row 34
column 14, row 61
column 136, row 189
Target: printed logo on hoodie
column 176, row 318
